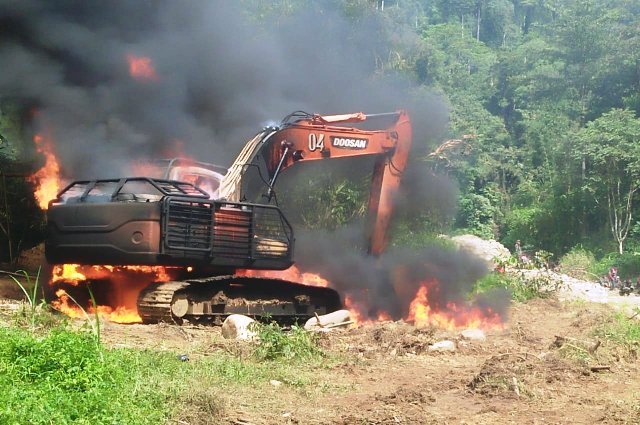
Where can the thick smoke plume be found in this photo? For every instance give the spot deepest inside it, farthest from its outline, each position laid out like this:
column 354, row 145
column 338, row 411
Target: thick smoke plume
column 214, row 76
column 220, row 75
column 389, row 284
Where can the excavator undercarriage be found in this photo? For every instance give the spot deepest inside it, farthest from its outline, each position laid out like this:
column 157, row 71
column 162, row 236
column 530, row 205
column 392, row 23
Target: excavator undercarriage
column 211, row 300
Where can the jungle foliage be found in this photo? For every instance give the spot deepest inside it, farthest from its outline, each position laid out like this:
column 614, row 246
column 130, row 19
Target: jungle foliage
column 547, row 93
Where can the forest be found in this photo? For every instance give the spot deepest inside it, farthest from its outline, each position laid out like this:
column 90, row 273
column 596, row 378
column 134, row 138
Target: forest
column 541, row 135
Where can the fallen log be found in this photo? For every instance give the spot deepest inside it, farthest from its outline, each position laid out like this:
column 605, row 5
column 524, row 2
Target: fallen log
column 331, row 320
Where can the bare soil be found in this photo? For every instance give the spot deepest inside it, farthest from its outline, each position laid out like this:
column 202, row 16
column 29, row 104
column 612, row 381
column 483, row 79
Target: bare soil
column 387, row 375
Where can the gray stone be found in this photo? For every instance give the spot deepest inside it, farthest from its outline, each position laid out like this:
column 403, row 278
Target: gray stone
column 238, row 326
column 473, row 334
column 445, row 345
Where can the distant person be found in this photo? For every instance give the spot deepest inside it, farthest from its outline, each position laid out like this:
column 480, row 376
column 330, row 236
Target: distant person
column 613, row 277
column 626, row 288
column 518, row 250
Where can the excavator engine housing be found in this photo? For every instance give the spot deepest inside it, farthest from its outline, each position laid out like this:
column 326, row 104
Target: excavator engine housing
column 144, row 221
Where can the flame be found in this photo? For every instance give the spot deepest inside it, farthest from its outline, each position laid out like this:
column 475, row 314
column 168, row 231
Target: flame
column 355, row 311
column 141, row 68
column 128, row 281
column 454, row 316
column 65, row 304
column 46, row 179
column 293, row 274
column 450, row 316
column 125, row 284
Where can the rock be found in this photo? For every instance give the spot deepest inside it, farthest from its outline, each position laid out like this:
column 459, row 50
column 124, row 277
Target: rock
column 275, row 382
column 328, row 320
column 445, row 345
column 487, row 250
column 238, row 326
column 473, row 334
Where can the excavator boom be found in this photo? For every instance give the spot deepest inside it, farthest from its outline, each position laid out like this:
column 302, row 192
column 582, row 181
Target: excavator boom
column 319, row 138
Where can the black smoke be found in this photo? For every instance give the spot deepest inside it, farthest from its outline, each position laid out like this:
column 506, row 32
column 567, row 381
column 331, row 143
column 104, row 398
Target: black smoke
column 222, row 75
column 389, row 283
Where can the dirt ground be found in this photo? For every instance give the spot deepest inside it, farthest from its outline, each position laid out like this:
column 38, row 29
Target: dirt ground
column 515, row 376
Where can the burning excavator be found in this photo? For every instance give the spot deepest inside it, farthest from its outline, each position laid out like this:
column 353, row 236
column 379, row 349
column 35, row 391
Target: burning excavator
column 219, row 233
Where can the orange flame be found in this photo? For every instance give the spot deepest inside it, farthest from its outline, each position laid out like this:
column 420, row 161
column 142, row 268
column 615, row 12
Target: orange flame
column 355, row 311
column 126, row 282
column 121, row 314
column 292, row 274
column 76, row 273
column 452, row 317
column 141, row 68
column 47, row 179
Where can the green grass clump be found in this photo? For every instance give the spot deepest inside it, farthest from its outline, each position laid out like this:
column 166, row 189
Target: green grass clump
column 65, row 377
column 615, row 337
column 521, row 290
column 296, row 344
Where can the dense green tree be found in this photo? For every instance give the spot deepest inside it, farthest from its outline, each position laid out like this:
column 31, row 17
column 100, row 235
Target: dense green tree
column 611, row 147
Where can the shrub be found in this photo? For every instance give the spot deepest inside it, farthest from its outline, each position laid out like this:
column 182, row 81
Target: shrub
column 578, row 263
column 276, row 344
column 476, row 216
column 521, row 290
column 628, row 265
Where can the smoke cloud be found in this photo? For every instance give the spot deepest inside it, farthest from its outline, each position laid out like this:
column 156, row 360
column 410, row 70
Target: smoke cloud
column 221, row 75
column 389, row 284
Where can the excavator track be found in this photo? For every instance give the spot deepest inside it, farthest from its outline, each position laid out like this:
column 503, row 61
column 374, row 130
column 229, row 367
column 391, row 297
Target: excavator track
column 154, row 302
column 211, row 300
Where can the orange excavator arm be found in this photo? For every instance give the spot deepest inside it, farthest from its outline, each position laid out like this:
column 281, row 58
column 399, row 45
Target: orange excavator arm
column 305, row 137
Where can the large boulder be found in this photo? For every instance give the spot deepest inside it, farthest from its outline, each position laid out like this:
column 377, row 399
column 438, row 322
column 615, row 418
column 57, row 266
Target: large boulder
column 238, row 326
column 487, row 250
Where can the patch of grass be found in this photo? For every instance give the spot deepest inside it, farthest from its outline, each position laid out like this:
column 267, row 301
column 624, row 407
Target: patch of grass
column 29, row 289
column 64, row 377
column 577, row 263
column 621, row 330
column 521, row 290
column 576, row 354
column 41, row 318
column 616, row 337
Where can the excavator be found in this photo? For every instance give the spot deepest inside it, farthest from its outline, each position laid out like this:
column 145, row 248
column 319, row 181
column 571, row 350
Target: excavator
column 221, row 225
